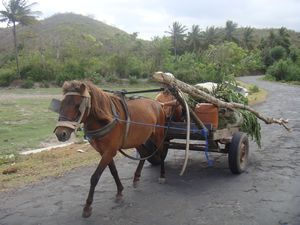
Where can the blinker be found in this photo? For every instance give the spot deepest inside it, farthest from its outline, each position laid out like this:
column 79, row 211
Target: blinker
column 55, row 105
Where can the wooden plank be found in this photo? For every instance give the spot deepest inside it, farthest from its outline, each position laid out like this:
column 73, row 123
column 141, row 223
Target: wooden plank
column 194, row 147
column 225, row 134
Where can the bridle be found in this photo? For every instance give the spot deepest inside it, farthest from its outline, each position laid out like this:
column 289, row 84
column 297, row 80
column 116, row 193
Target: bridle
column 85, row 106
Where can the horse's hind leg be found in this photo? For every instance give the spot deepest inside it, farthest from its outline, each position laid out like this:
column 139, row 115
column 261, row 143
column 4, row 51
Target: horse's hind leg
column 114, row 173
column 105, row 160
column 137, row 173
column 162, row 178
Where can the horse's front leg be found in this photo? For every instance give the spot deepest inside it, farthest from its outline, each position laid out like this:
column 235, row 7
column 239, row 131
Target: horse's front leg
column 105, row 160
column 114, row 173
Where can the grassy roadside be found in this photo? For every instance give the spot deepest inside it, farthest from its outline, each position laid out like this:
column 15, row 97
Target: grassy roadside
column 255, row 97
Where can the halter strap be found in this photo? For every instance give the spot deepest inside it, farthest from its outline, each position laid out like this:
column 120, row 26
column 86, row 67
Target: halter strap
column 85, row 105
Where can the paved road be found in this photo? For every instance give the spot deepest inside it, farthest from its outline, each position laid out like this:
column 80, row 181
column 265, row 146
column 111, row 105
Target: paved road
column 268, row 193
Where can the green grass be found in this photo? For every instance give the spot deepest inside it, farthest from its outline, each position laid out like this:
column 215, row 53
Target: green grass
column 26, row 122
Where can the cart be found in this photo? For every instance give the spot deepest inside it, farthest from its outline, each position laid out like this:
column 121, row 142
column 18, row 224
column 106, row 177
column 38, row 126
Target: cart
column 229, row 141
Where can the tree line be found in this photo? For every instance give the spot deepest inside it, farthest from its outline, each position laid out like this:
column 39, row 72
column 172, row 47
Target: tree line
column 193, row 55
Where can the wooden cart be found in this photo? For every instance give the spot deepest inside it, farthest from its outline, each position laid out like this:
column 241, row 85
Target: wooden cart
column 227, row 141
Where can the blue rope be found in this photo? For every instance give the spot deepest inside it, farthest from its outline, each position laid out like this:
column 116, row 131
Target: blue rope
column 203, row 132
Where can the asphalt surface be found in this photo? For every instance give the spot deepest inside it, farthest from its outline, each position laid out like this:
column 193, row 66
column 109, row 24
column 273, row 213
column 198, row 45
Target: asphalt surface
column 267, row 193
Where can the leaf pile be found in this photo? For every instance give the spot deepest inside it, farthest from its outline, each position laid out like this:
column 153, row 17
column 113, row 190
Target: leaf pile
column 250, row 124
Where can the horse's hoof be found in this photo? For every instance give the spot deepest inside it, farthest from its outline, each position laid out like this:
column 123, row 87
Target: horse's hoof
column 87, row 211
column 135, row 184
column 161, row 180
column 119, row 198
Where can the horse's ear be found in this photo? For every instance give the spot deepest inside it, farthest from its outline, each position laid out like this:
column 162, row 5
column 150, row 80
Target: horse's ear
column 84, row 90
column 65, row 84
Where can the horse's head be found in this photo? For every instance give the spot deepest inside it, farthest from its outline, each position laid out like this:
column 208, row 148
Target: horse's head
column 74, row 109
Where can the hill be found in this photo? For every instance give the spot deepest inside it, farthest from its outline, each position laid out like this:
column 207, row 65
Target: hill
column 63, row 30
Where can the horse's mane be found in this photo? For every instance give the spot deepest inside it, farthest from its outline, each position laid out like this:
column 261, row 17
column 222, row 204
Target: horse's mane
column 100, row 101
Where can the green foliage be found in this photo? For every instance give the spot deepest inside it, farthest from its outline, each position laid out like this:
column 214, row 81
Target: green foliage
column 133, row 80
column 112, row 78
column 38, row 69
column 278, row 52
column 70, row 46
column 252, row 62
column 28, row 84
column 253, row 89
column 228, row 56
column 95, row 77
column 7, row 76
column 185, row 68
column 250, row 124
column 284, row 70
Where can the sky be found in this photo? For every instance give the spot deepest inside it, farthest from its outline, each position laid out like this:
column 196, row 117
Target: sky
column 153, row 17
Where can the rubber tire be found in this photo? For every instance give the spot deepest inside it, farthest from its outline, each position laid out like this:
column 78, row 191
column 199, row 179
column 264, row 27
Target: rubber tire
column 239, row 139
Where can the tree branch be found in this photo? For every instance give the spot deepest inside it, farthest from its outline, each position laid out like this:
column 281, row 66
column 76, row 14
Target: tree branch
column 169, row 79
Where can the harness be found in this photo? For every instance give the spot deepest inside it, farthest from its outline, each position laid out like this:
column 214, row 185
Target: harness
column 85, row 106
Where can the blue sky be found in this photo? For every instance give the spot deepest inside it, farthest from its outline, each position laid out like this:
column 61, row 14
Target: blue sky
column 153, row 17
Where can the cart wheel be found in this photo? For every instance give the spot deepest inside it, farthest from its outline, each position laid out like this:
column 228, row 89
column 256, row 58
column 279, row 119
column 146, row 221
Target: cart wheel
column 156, row 159
column 238, row 153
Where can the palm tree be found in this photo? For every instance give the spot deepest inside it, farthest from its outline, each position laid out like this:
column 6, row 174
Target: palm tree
column 210, row 36
column 193, row 38
column 177, row 32
column 17, row 12
column 248, row 38
column 229, row 29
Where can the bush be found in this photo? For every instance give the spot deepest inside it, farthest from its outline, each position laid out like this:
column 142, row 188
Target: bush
column 112, row 78
column 278, row 52
column 28, row 84
column 95, row 77
column 253, row 89
column 133, row 80
column 284, row 70
column 7, row 76
column 279, row 70
column 62, row 77
column 38, row 72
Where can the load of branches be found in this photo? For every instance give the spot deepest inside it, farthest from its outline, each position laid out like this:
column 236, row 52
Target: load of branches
column 224, row 97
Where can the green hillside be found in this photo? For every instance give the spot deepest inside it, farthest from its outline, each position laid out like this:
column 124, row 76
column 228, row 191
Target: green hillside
column 63, row 30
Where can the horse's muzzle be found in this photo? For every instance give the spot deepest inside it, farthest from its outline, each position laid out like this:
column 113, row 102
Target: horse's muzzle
column 63, row 133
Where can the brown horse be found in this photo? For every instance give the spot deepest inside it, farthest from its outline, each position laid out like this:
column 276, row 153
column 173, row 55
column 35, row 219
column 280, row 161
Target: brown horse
column 105, row 123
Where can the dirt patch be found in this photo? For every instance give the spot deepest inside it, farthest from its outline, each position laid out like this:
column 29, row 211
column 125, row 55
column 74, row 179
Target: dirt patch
column 33, row 167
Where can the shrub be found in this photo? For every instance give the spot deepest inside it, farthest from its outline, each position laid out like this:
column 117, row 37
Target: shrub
column 7, row 76
column 133, row 80
column 279, row 70
column 94, row 77
column 62, row 77
column 112, row 78
column 28, row 84
column 278, row 52
column 253, row 89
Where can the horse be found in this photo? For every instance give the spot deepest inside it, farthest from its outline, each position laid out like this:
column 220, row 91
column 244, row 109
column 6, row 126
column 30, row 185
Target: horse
column 109, row 129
